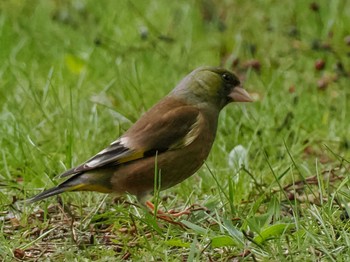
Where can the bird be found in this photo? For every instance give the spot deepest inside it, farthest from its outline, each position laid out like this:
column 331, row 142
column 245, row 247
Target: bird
column 165, row 146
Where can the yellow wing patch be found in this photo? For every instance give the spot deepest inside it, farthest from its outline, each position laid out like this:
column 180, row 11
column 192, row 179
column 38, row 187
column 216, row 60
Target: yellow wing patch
column 190, row 136
column 134, row 156
column 87, row 187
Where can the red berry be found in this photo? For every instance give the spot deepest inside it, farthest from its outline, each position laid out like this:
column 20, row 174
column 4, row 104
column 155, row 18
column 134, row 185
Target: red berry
column 320, row 64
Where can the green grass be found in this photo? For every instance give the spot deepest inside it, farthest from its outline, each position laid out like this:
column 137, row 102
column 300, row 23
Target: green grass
column 76, row 74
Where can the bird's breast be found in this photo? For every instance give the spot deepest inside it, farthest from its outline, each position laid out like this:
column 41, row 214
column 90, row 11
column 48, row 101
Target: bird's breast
column 173, row 166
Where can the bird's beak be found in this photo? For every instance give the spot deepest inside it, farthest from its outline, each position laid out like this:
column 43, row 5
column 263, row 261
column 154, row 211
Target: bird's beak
column 240, row 95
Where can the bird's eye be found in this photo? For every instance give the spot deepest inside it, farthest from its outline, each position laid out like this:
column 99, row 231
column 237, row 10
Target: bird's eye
column 227, row 77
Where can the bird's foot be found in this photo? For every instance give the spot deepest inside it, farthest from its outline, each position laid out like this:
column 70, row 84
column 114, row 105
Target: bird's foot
column 171, row 214
column 165, row 216
column 188, row 211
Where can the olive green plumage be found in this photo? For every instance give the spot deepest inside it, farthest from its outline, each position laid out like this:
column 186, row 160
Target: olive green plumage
column 175, row 136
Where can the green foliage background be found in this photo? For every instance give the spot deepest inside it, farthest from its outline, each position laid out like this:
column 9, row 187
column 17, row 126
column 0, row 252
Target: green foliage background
column 74, row 75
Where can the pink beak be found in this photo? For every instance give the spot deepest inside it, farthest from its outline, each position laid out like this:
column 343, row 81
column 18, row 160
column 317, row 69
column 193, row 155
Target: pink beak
column 240, row 95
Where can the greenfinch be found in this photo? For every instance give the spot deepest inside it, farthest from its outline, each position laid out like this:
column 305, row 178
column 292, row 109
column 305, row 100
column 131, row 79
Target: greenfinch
column 172, row 139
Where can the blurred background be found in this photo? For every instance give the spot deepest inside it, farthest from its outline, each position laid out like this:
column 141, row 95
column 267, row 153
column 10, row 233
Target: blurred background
column 74, row 75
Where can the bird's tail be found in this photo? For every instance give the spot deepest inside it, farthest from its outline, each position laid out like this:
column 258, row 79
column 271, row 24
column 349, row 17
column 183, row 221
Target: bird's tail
column 99, row 182
column 48, row 193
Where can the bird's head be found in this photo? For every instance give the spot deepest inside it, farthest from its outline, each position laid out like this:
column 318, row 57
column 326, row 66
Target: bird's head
column 211, row 86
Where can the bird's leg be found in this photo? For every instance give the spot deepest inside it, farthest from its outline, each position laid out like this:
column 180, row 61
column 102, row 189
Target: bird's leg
column 187, row 211
column 160, row 214
column 166, row 216
column 173, row 213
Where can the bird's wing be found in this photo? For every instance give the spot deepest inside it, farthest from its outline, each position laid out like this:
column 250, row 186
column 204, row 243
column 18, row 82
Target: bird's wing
column 176, row 128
